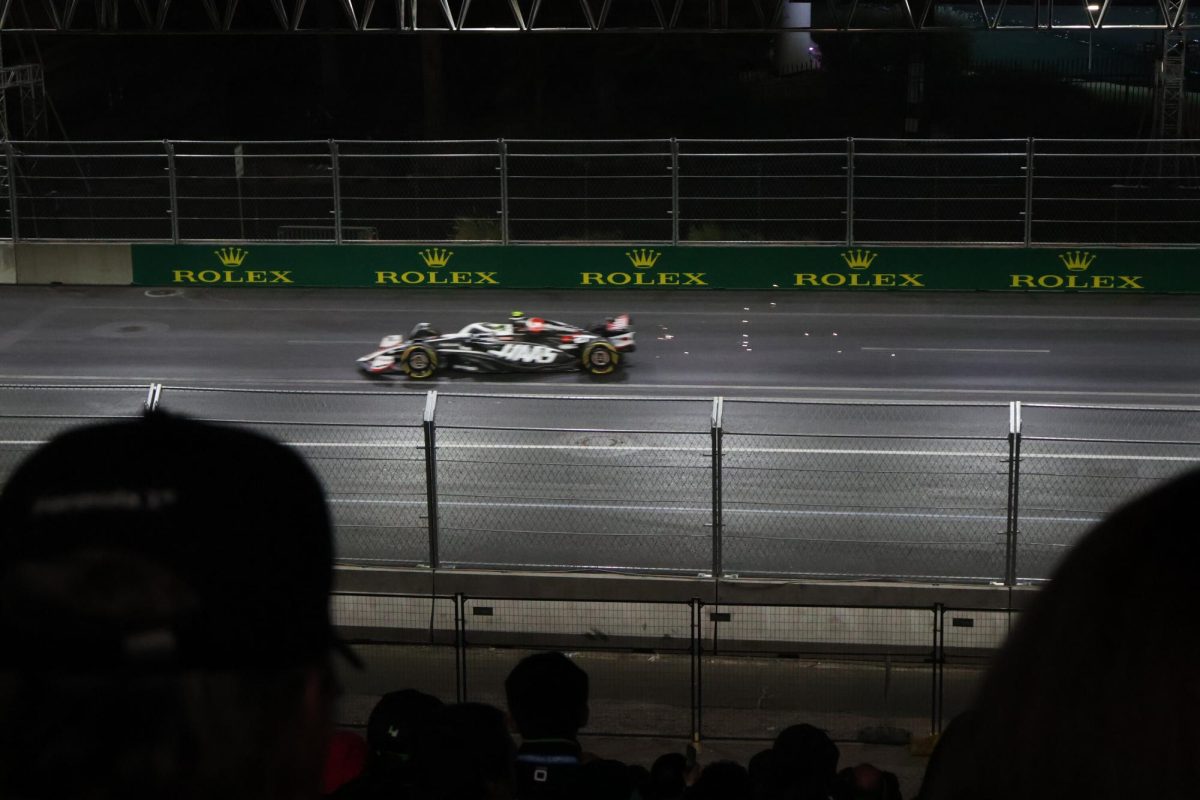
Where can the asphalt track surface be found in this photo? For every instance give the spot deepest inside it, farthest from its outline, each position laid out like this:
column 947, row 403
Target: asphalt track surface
column 844, row 483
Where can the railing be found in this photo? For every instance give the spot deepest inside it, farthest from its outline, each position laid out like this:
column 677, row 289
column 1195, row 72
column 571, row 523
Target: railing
column 949, row 493
column 688, row 669
column 1019, row 192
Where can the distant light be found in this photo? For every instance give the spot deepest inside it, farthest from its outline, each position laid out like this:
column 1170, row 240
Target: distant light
column 1093, row 7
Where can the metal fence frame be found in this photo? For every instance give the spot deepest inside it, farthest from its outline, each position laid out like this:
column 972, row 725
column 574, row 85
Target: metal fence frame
column 1149, row 454
column 930, row 656
column 1014, row 192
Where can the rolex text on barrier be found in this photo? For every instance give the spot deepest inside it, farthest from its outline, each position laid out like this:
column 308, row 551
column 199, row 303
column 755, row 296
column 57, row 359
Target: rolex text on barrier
column 660, row 267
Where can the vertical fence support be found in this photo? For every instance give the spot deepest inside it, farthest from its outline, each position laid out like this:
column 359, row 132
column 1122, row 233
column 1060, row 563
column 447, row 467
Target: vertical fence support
column 152, row 397
column 697, row 694
column 1029, row 192
column 1014, row 483
column 337, row 191
column 674, row 191
column 718, row 412
column 431, row 497
column 172, row 189
column 10, row 163
column 939, row 668
column 502, row 151
column 460, row 647
column 849, row 192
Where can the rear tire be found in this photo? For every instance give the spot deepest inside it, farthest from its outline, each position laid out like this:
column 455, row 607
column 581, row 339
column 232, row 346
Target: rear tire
column 419, row 361
column 600, row 358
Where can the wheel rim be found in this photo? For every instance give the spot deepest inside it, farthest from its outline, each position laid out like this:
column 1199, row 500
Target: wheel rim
column 418, row 361
column 600, row 357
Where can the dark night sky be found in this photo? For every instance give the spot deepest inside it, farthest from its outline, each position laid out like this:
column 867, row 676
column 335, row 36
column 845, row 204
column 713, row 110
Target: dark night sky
column 396, row 86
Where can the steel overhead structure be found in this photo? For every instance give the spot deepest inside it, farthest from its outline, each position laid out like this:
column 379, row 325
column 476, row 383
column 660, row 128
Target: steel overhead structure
column 625, row 16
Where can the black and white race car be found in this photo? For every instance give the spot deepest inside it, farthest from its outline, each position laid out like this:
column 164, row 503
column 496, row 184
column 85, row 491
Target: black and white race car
column 522, row 344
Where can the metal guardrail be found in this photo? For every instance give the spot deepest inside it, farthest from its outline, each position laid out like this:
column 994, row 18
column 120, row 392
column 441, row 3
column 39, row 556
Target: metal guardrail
column 932, row 492
column 688, row 669
column 1019, row 192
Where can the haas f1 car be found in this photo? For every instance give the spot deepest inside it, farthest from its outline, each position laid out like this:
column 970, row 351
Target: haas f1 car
column 522, row 344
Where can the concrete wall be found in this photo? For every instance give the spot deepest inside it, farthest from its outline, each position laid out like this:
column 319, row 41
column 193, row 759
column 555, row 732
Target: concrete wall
column 79, row 264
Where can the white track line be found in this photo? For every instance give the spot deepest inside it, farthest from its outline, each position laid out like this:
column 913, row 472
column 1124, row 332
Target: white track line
column 950, row 350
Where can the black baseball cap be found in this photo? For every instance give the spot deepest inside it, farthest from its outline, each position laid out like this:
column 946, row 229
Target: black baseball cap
column 225, row 532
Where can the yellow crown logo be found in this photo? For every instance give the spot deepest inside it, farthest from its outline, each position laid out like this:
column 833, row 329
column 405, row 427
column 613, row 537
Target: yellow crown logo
column 232, row 256
column 436, row 257
column 858, row 259
column 1076, row 261
column 644, row 258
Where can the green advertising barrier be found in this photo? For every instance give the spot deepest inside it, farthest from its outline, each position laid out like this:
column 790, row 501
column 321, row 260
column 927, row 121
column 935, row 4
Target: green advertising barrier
column 900, row 269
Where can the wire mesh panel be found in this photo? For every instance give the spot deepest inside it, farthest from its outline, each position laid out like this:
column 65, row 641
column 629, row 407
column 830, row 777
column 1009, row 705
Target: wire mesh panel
column 846, row 670
column 1078, row 463
column 405, row 642
column 92, row 190
column 601, row 191
column 32, row 415
column 819, row 489
column 770, row 191
column 970, row 640
column 255, row 191
column 1108, row 191
column 605, row 483
column 958, row 190
column 637, row 656
column 368, row 449
column 420, row 191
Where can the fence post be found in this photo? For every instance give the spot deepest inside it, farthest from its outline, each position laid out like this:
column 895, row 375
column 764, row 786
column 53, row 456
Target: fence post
column 939, row 668
column 152, row 397
column 431, row 500
column 337, row 192
column 460, row 647
column 718, row 412
column 502, row 149
column 1029, row 192
column 849, row 191
column 10, row 163
column 697, row 695
column 674, row 191
column 172, row 188
column 1014, row 482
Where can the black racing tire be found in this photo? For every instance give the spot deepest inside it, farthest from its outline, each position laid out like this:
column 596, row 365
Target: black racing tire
column 599, row 358
column 419, row 361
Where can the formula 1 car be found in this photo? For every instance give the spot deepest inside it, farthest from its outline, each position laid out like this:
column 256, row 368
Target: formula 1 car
column 523, row 344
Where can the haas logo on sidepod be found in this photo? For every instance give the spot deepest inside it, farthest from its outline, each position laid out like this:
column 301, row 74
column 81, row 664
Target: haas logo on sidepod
column 526, row 353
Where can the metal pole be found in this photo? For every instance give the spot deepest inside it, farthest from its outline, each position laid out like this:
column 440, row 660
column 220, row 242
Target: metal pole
column 674, row 191
column 337, row 192
column 698, row 667
column 1029, row 192
column 718, row 411
column 502, row 148
column 172, row 188
column 460, row 648
column 939, row 667
column 1014, row 474
column 431, row 502
column 11, row 165
column 849, row 191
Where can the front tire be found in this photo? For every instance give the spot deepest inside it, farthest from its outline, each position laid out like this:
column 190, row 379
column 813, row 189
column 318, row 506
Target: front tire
column 419, row 361
column 600, row 358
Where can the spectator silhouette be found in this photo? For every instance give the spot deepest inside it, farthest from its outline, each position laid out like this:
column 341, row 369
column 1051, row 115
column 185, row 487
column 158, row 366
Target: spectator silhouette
column 397, row 722
column 803, row 764
column 721, row 780
column 1095, row 695
column 466, row 754
column 761, row 776
column 164, row 607
column 668, row 777
column 547, row 698
column 868, row 782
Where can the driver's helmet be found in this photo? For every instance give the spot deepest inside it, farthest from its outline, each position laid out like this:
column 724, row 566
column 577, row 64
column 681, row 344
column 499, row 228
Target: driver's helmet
column 518, row 320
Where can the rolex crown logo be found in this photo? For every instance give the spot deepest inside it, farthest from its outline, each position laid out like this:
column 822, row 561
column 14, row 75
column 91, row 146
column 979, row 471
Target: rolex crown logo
column 859, row 259
column 1076, row 261
column 232, row 256
column 436, row 256
column 643, row 258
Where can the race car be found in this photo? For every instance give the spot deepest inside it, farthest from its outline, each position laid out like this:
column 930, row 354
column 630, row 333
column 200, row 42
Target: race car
column 522, row 344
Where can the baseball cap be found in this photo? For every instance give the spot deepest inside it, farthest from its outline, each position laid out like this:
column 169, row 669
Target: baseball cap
column 399, row 720
column 225, row 533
